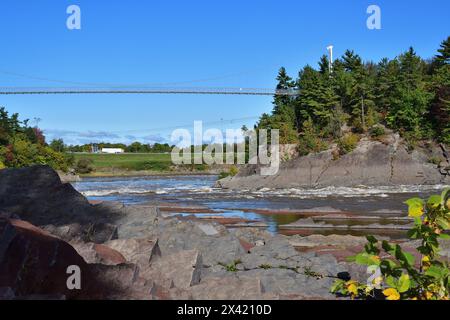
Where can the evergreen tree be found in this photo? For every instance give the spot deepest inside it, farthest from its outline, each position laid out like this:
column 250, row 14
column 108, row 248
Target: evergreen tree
column 351, row 61
column 444, row 53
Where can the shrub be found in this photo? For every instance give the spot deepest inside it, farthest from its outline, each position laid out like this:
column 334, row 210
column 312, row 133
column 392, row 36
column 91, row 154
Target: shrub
column 396, row 276
column 376, row 132
column 84, row 166
column 348, row 143
column 310, row 140
column 232, row 172
column 434, row 160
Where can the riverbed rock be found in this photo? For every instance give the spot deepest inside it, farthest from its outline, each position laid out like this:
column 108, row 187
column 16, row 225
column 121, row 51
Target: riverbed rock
column 34, row 262
column 372, row 163
column 138, row 251
column 228, row 288
column 98, row 253
column 37, row 195
column 182, row 269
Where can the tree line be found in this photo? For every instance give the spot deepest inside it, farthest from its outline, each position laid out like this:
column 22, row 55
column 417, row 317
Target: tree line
column 22, row 145
column 408, row 94
column 135, row 147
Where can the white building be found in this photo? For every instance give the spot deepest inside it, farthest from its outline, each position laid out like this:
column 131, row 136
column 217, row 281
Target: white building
column 112, row 150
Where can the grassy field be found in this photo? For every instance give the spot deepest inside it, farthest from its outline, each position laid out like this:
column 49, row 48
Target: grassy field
column 127, row 161
column 130, row 162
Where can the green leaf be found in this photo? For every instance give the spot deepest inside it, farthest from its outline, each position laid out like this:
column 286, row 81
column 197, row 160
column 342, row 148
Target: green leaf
column 403, row 283
column 371, row 239
column 409, row 258
column 444, row 236
column 445, row 195
column 435, row 272
column 387, row 247
column 415, row 207
column 390, row 281
column 434, row 201
column 362, row 258
column 443, row 223
column 413, row 233
column 404, row 257
column 337, row 286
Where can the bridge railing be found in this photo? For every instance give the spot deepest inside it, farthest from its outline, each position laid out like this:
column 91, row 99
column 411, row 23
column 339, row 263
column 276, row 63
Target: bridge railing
column 144, row 90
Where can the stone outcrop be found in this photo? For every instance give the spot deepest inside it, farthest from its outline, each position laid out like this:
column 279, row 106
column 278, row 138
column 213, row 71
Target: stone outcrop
column 372, row 163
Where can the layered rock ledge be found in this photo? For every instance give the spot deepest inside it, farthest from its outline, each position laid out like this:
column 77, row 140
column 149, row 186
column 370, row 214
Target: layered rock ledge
column 372, row 163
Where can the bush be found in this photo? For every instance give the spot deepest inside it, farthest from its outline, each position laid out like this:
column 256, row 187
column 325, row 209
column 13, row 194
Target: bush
column 84, row 166
column 395, row 273
column 310, row 140
column 376, row 132
column 232, row 172
column 434, row 160
column 348, row 143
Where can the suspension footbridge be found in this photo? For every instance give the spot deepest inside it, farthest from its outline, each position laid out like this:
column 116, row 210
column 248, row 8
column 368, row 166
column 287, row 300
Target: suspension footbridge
column 144, row 90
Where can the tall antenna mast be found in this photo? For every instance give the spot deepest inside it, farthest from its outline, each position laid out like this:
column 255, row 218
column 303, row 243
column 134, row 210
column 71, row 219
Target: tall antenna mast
column 330, row 56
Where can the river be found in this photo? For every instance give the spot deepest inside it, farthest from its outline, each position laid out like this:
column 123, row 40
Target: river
column 198, row 191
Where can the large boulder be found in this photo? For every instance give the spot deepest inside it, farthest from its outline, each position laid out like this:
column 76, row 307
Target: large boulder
column 37, row 195
column 34, row 262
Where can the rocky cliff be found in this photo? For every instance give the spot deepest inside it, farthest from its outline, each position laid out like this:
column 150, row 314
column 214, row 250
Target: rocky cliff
column 372, row 163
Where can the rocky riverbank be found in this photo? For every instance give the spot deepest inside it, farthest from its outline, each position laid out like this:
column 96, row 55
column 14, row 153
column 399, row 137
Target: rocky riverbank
column 373, row 163
column 135, row 252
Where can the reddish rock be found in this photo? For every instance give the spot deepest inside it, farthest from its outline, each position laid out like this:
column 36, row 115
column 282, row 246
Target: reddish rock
column 98, row 253
column 32, row 262
column 138, row 251
column 247, row 246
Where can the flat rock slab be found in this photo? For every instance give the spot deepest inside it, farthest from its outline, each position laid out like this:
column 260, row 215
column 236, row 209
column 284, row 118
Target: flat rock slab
column 228, row 288
column 208, row 229
column 98, row 253
column 139, row 251
column 182, row 269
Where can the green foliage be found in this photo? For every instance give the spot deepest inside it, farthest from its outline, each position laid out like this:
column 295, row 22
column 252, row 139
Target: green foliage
column 310, row 140
column 434, row 160
column 376, row 132
column 84, row 166
column 401, row 277
column 348, row 143
column 232, row 267
column 265, row 266
column 408, row 94
column 230, row 173
column 21, row 145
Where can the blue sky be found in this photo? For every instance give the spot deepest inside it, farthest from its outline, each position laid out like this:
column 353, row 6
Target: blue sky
column 199, row 43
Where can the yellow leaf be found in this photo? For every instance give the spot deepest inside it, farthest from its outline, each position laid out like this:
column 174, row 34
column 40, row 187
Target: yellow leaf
column 391, row 294
column 428, row 295
column 426, row 262
column 415, row 211
column 352, row 289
